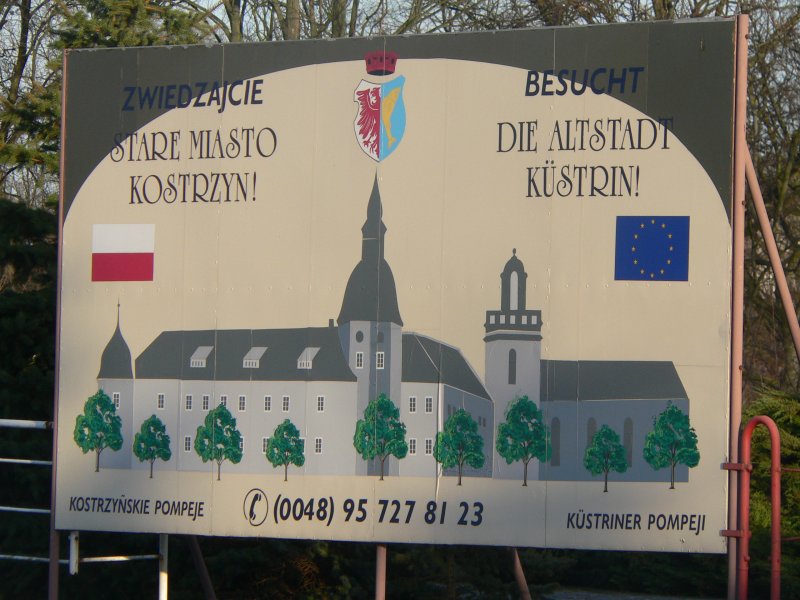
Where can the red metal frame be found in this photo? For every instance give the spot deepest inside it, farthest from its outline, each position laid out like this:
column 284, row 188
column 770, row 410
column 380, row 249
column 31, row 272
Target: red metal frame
column 745, row 467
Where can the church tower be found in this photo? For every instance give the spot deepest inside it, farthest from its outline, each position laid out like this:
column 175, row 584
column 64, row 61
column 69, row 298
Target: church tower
column 513, row 355
column 370, row 327
column 115, row 378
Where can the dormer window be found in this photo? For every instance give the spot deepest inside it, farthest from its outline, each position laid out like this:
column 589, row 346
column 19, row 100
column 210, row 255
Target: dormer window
column 306, row 359
column 198, row 359
column 252, row 360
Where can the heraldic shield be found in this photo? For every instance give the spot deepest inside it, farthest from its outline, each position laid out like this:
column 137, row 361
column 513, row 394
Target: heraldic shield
column 381, row 119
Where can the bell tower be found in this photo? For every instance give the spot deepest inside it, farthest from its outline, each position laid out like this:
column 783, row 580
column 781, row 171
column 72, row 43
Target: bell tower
column 513, row 355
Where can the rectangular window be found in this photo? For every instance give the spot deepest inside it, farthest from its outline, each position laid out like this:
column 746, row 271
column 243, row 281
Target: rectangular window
column 115, row 397
column 188, row 403
column 242, row 403
column 285, row 406
column 187, row 444
column 412, row 404
column 223, row 399
column 206, row 401
column 317, row 445
column 428, row 404
column 412, row 446
column 264, row 444
column 160, row 401
column 379, row 360
column 359, row 360
column 320, row 403
column 267, row 403
column 428, row 446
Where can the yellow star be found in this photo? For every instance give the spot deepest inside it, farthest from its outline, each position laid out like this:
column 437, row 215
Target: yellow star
column 670, row 248
column 636, row 262
column 633, row 248
column 669, row 261
column 652, row 221
column 636, row 236
column 652, row 275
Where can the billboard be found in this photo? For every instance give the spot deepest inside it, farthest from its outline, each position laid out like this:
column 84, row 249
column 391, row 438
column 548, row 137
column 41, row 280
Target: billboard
column 459, row 289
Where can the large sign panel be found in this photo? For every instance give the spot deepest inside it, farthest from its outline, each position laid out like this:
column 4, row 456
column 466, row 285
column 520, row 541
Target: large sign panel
column 460, row 289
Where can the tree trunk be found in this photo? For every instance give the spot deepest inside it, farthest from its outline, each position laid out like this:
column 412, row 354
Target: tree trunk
column 219, row 468
column 285, row 471
column 151, row 467
column 605, row 483
column 672, row 477
column 525, row 478
column 383, row 459
column 459, row 473
column 292, row 19
column 97, row 461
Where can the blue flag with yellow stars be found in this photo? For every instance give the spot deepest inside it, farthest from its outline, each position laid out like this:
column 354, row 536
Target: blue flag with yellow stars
column 652, row 249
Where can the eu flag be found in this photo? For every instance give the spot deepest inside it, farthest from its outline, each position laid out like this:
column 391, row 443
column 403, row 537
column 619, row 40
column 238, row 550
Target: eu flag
column 652, row 249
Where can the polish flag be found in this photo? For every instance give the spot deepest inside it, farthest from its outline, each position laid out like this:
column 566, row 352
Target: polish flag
column 123, row 252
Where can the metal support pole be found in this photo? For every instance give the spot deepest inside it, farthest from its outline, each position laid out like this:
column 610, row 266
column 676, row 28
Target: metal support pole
column 774, row 255
column 74, row 552
column 163, row 566
column 737, row 292
column 380, row 572
column 519, row 575
column 743, row 557
column 200, row 567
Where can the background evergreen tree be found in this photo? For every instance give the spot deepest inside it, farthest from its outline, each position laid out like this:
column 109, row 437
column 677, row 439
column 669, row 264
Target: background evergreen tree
column 459, row 443
column 380, row 434
column 605, row 453
column 99, row 427
column 285, row 447
column 218, row 439
column 152, row 442
column 672, row 442
column 523, row 435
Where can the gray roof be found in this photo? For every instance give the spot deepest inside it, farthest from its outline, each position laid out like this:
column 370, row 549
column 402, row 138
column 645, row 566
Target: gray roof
column 116, row 360
column 609, row 380
column 426, row 360
column 169, row 355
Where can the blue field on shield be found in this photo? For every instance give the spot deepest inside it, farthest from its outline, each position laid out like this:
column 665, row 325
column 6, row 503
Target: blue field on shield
column 393, row 116
column 652, row 248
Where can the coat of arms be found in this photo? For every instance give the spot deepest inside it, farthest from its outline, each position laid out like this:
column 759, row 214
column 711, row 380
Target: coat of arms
column 381, row 119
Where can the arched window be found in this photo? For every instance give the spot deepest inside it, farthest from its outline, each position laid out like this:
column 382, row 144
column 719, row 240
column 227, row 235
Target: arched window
column 591, row 429
column 513, row 284
column 512, row 367
column 627, row 440
column 555, row 442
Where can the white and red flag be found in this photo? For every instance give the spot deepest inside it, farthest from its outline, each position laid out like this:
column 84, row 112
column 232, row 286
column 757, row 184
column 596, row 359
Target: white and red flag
column 123, row 252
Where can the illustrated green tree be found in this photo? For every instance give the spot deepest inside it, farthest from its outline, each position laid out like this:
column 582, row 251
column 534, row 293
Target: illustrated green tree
column 523, row 435
column 381, row 434
column 671, row 442
column 98, row 427
column 459, row 443
column 605, row 453
column 218, row 439
column 152, row 442
column 285, row 447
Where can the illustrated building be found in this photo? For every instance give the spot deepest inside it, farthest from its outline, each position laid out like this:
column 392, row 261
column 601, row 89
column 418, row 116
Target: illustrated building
column 322, row 379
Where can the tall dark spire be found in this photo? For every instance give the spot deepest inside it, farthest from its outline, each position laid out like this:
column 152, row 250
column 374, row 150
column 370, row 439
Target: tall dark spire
column 115, row 362
column 373, row 230
column 371, row 294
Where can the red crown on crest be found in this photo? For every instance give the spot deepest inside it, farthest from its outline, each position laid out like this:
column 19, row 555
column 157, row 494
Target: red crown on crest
column 380, row 62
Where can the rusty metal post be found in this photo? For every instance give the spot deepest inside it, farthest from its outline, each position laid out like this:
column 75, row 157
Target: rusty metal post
column 519, row 576
column 743, row 557
column 200, row 567
column 737, row 292
column 380, row 572
column 774, row 255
